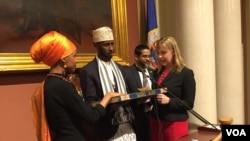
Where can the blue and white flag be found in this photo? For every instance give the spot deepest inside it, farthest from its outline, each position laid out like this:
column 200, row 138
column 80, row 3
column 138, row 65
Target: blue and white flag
column 152, row 30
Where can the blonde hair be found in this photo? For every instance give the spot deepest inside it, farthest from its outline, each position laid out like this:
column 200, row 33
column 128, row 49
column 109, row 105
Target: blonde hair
column 171, row 44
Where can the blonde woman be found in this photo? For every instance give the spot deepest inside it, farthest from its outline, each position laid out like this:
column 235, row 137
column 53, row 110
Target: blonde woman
column 170, row 117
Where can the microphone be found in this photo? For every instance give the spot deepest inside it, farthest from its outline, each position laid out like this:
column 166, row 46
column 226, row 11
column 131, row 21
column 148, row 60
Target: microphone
column 187, row 106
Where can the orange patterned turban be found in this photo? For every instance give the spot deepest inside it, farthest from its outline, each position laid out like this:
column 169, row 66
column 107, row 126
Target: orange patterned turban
column 51, row 47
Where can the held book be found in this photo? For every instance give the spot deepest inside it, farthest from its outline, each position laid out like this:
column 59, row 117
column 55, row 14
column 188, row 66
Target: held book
column 144, row 92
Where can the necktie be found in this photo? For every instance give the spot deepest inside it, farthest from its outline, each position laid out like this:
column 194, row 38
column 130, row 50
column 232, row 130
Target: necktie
column 145, row 79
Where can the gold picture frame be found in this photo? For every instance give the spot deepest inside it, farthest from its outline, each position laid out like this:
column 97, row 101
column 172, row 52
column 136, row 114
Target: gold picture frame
column 21, row 62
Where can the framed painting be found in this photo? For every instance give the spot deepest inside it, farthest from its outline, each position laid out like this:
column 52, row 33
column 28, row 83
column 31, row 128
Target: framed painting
column 26, row 20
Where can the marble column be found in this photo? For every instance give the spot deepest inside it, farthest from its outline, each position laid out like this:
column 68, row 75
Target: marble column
column 195, row 35
column 229, row 60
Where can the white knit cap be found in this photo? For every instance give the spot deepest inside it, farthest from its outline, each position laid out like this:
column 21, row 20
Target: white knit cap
column 102, row 34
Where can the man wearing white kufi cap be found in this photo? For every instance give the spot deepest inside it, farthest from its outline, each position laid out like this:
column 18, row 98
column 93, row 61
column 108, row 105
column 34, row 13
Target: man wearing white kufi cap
column 102, row 34
column 103, row 75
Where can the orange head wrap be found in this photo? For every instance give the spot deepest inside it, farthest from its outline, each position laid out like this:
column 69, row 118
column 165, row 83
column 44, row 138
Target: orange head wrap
column 50, row 48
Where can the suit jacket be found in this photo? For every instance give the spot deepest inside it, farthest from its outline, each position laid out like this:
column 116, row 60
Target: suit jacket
column 181, row 90
column 133, row 78
column 141, row 122
column 92, row 91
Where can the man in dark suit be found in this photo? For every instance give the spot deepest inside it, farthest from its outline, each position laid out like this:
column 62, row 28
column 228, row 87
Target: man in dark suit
column 103, row 75
column 139, row 75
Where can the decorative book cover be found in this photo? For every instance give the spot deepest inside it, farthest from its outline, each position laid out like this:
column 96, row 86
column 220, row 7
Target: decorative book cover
column 141, row 94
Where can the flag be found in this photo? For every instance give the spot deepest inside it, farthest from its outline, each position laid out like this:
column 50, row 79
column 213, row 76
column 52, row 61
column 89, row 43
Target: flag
column 152, row 30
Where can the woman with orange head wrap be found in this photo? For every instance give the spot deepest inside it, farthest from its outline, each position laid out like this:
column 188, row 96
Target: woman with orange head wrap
column 58, row 111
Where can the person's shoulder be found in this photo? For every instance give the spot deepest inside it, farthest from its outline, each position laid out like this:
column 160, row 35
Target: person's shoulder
column 118, row 64
column 56, row 82
column 185, row 68
column 156, row 70
column 90, row 64
column 121, row 67
column 152, row 69
column 129, row 68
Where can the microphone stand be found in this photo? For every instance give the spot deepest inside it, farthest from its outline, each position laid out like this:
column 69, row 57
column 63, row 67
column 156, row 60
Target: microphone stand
column 187, row 106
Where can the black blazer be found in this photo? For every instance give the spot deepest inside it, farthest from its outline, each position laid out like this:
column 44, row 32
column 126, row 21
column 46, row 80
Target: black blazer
column 183, row 86
column 91, row 83
column 133, row 79
column 92, row 91
column 141, row 122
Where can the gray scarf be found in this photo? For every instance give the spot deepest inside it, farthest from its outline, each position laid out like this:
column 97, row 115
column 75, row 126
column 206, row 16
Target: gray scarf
column 105, row 77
